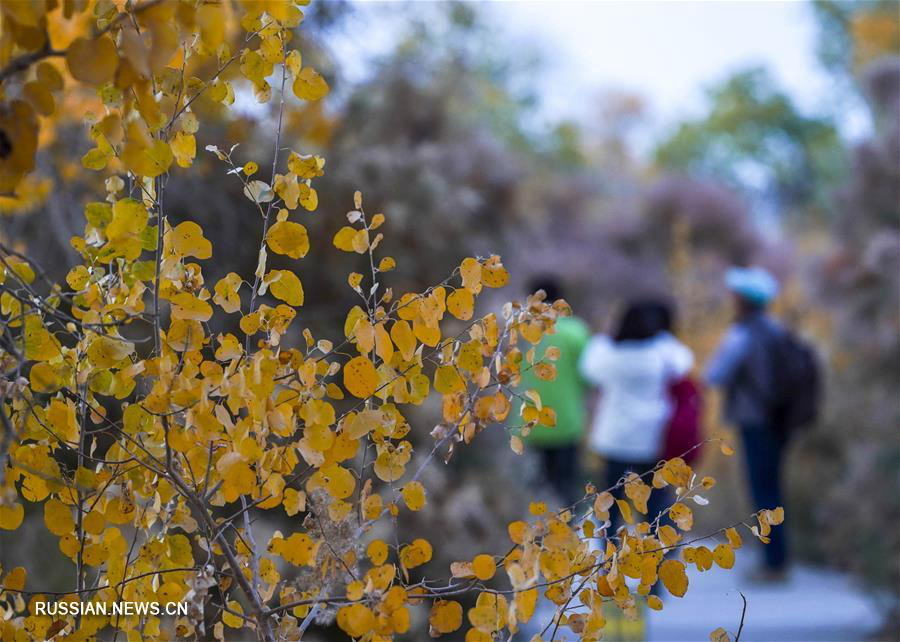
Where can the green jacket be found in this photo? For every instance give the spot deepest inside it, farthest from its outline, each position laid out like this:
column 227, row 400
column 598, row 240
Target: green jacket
column 565, row 394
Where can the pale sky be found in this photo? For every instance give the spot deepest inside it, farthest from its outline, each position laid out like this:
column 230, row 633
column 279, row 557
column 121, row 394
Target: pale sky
column 666, row 51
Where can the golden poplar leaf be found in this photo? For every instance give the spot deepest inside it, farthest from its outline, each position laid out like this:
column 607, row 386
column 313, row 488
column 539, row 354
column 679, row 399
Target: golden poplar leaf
column 625, row 510
column 298, row 549
column 149, row 159
column 39, row 97
column 734, row 538
column 338, row 481
column 226, row 293
column 288, row 238
column 470, row 271
column 377, row 552
column 106, row 351
column 493, row 274
column 184, row 149
column 390, row 466
column 58, row 517
column 40, row 345
column 343, row 239
column 360, row 377
column 674, row 577
column 445, row 617
column 384, row 347
column 489, row 614
column 187, row 306
column 92, row 61
column 11, row 516
column 415, row 554
column 654, row 602
column 724, row 556
column 285, row 286
column 461, row 304
column 309, row 85
column 404, row 339
column 188, row 240
column 123, row 233
column 484, row 567
column 469, row 357
column 386, row 264
column 682, row 516
column 719, row 635
column 447, row 380
column 15, row 579
column 356, row 620
column 414, row 495
column 232, row 620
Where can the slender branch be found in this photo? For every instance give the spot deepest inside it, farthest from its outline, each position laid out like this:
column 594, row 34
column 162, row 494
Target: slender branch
column 743, row 615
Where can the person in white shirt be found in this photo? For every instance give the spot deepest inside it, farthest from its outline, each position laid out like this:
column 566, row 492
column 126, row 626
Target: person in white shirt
column 633, row 370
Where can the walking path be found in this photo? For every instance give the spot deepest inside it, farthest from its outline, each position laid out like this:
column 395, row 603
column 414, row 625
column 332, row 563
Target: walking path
column 814, row 605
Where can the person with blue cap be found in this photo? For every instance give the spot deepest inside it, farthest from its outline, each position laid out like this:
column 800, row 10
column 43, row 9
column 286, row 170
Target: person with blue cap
column 744, row 367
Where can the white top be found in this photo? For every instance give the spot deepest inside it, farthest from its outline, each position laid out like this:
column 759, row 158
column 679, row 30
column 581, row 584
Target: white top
column 634, row 408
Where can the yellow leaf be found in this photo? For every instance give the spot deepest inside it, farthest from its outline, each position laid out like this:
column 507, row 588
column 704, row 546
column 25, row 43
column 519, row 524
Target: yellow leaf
column 489, row 614
column 40, row 345
column 461, row 304
column 285, row 286
column 414, row 495
column 58, row 517
column 734, row 539
column 105, row 351
column 309, row 85
column 15, row 580
column 724, row 556
column 654, row 602
column 232, row 620
column 415, row 554
column 343, row 240
column 187, row 306
column 682, row 516
column 719, row 635
column 187, row 240
column 226, row 292
column 673, row 577
column 493, row 274
column 360, row 377
column 484, row 567
column 184, row 149
column 445, row 617
column 404, row 339
column 11, row 516
column 355, row 620
column 470, row 271
column 448, row 381
column 377, row 552
column 288, row 238
column 92, row 61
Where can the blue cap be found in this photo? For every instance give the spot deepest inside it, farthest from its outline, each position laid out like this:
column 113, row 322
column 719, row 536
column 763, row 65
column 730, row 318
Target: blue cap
column 755, row 284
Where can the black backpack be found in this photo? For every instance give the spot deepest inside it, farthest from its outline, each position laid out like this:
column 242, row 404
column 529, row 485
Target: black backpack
column 797, row 378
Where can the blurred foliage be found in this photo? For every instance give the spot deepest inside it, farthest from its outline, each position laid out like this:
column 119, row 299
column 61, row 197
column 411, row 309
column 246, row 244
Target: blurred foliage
column 754, row 138
column 853, row 34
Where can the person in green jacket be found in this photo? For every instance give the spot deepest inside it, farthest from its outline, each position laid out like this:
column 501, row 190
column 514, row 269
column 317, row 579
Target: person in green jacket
column 558, row 445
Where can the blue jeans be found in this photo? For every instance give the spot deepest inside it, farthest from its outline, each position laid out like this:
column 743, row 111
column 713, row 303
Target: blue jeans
column 764, row 452
column 560, row 464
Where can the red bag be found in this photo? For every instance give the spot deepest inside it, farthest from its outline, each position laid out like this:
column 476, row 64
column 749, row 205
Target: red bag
column 683, row 430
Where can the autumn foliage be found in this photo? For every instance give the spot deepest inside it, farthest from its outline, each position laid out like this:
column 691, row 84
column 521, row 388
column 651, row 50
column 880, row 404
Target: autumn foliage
column 152, row 445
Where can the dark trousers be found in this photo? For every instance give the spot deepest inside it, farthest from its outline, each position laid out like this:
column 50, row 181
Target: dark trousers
column 659, row 497
column 764, row 452
column 560, row 464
